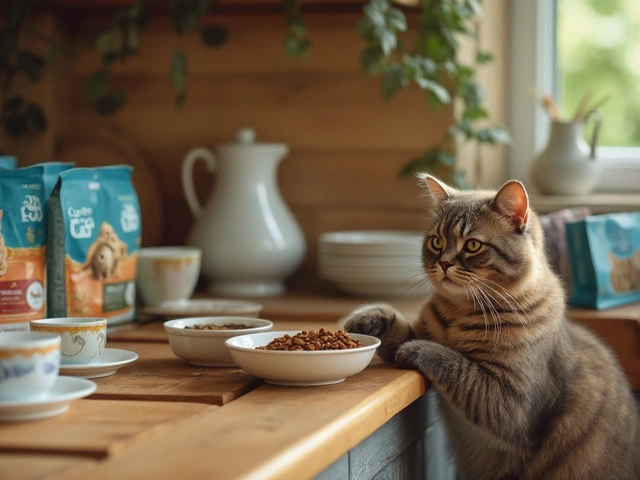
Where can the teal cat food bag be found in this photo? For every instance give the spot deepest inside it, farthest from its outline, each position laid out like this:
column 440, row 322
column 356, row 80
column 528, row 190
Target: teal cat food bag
column 604, row 253
column 51, row 172
column 94, row 235
column 22, row 247
column 7, row 161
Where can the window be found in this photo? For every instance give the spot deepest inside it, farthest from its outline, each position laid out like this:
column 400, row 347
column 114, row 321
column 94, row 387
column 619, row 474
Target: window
column 554, row 46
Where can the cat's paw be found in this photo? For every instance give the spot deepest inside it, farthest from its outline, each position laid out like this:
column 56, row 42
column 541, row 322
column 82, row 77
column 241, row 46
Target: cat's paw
column 374, row 320
column 413, row 354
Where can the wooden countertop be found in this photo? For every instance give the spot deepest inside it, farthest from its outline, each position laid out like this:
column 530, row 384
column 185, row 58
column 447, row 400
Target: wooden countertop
column 141, row 424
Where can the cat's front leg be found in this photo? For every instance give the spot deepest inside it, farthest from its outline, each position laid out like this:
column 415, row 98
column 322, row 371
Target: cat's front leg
column 488, row 395
column 381, row 321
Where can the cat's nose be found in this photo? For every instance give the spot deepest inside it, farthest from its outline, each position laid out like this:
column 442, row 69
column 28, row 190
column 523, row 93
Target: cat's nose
column 445, row 265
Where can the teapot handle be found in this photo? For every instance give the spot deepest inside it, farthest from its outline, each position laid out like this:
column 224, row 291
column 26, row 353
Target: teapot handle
column 187, row 176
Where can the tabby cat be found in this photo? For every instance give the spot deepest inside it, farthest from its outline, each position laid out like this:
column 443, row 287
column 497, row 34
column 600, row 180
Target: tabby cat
column 524, row 393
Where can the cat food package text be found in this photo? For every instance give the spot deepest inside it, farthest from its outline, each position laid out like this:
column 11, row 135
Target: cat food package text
column 23, row 231
column 94, row 233
column 604, row 251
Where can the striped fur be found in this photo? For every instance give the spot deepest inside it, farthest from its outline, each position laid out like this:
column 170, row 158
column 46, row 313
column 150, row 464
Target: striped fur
column 525, row 393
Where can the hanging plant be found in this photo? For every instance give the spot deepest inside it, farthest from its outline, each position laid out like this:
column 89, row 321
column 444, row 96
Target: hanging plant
column 432, row 64
column 18, row 115
column 119, row 42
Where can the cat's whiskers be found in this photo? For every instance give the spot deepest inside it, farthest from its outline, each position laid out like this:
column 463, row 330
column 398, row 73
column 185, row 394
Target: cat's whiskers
column 518, row 307
column 495, row 315
column 475, row 295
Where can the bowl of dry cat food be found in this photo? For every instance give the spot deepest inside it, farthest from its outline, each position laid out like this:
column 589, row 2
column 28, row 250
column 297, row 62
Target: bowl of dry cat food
column 303, row 358
column 200, row 340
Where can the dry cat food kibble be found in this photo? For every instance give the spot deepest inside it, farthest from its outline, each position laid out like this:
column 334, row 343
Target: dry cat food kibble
column 229, row 326
column 312, row 340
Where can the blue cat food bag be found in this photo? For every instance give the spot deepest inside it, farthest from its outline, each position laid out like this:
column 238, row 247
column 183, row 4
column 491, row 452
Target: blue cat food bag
column 604, row 252
column 7, row 161
column 52, row 171
column 94, row 235
column 22, row 247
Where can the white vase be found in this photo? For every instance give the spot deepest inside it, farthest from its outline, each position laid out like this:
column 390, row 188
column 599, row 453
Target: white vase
column 250, row 240
column 567, row 166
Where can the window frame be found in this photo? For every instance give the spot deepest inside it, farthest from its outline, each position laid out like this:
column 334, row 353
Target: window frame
column 532, row 63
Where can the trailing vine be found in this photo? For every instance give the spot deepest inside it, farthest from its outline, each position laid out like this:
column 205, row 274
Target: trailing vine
column 431, row 63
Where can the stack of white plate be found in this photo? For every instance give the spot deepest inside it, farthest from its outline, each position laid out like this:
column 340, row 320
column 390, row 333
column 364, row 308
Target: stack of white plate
column 374, row 263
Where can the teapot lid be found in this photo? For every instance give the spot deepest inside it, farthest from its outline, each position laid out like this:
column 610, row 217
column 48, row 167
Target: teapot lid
column 246, row 137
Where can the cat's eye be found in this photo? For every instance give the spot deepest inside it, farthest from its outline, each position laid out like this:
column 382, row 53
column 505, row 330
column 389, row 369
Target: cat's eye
column 436, row 243
column 473, row 245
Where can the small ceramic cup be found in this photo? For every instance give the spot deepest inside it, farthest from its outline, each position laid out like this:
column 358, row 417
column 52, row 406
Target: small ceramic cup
column 83, row 338
column 29, row 364
column 167, row 274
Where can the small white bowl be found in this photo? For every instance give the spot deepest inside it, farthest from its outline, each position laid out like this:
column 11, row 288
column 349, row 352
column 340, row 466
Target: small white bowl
column 30, row 362
column 300, row 368
column 206, row 348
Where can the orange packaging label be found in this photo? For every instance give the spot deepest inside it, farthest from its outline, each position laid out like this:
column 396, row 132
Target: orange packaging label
column 22, row 296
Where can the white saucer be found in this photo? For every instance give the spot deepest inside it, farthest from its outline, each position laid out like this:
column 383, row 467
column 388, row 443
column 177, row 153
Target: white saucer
column 54, row 402
column 108, row 363
column 198, row 307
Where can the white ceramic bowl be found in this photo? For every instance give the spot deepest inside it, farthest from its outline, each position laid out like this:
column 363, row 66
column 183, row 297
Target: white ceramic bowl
column 371, row 242
column 205, row 307
column 206, row 348
column 83, row 338
column 30, row 362
column 300, row 368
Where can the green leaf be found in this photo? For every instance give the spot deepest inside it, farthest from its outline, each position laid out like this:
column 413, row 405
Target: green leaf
column 396, row 20
column 440, row 93
column 372, row 60
column 30, row 63
column 97, row 84
column 297, row 47
column 475, row 114
column 473, row 95
column 484, row 57
column 297, row 27
column 392, row 81
column 475, row 6
column 366, row 29
column 35, row 119
column 110, row 103
column 108, row 42
column 493, row 135
column 179, row 70
column 388, row 41
column 375, row 15
column 132, row 38
column 214, row 35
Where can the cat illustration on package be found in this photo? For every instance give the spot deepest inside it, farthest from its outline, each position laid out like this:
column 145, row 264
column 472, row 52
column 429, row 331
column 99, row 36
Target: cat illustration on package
column 104, row 255
column 94, row 237
column 625, row 272
column 22, row 246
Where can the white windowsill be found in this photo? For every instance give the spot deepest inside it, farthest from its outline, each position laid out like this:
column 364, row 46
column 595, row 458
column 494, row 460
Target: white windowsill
column 597, row 202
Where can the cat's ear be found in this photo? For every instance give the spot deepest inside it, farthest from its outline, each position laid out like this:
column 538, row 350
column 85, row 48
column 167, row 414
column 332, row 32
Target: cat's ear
column 438, row 190
column 512, row 202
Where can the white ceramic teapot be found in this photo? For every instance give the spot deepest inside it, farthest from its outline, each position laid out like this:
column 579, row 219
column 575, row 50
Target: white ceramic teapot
column 250, row 240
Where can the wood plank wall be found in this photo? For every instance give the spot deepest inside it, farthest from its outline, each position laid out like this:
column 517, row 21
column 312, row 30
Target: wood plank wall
column 347, row 144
